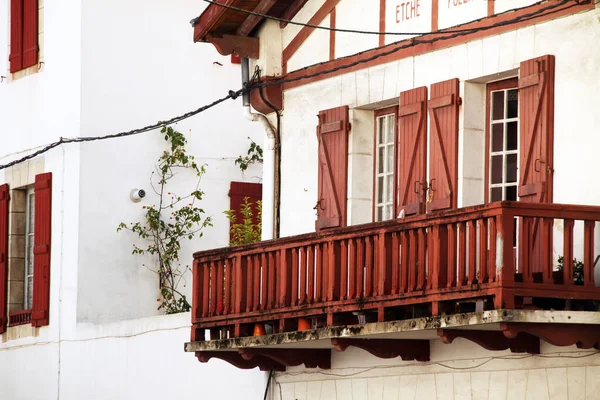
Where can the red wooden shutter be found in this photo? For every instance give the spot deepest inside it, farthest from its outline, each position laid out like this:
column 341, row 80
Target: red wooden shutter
column 3, row 255
column 536, row 120
column 411, row 145
column 30, row 33
column 332, row 133
column 240, row 190
column 443, row 148
column 41, row 250
column 16, row 35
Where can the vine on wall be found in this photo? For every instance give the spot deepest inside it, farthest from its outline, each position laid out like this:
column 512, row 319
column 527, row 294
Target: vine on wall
column 175, row 219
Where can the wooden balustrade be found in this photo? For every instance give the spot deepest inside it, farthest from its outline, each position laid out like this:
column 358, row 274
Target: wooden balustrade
column 19, row 318
column 501, row 251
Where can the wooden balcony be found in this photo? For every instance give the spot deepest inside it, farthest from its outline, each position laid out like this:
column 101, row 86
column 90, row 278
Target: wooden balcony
column 495, row 256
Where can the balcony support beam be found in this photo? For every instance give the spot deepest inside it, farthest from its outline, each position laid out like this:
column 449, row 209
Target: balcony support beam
column 236, row 359
column 494, row 340
column 583, row 335
column 408, row 350
column 311, row 358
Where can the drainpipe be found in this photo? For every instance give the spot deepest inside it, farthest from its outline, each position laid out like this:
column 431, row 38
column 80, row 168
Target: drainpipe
column 269, row 209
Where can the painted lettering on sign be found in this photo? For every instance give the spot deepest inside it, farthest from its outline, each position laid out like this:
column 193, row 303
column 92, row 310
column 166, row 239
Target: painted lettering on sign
column 408, row 10
column 456, row 3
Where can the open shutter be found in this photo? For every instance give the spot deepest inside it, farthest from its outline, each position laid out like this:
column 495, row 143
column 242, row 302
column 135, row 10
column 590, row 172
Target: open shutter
column 41, row 250
column 238, row 191
column 536, row 119
column 16, row 35
column 443, row 148
column 411, row 145
column 30, row 33
column 332, row 133
column 3, row 255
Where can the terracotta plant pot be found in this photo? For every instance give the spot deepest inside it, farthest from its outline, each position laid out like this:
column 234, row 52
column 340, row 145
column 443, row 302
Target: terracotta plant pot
column 303, row 324
column 259, row 330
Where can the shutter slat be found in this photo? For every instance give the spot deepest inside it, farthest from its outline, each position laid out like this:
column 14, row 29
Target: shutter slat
column 332, row 133
column 30, row 33
column 16, row 35
column 42, row 245
column 411, row 151
column 443, row 153
column 4, row 197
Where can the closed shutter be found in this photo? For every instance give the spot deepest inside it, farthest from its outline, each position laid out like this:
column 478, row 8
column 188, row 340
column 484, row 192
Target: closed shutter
column 41, row 250
column 30, row 33
column 443, row 148
column 536, row 119
column 238, row 191
column 332, row 133
column 411, row 145
column 3, row 255
column 16, row 35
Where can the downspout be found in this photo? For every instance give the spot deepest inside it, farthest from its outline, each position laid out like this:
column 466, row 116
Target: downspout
column 269, row 205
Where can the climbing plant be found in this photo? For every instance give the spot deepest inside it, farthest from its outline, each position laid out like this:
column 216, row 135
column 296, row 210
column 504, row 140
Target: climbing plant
column 254, row 155
column 174, row 219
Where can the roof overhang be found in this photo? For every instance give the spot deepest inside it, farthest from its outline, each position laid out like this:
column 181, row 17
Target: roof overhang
column 231, row 31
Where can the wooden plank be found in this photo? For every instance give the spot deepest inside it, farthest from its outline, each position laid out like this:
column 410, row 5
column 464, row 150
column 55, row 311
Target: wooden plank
column 525, row 243
column 451, row 261
column 285, row 278
column 568, row 251
column 368, row 266
column 238, row 285
column 249, row 283
column 472, row 232
column 272, row 290
column 303, row 274
column 344, row 270
column 588, row 253
column 492, row 255
column 360, row 265
column 462, row 254
column 310, row 266
column 412, row 260
column 319, row 272
column 422, row 238
column 395, row 263
column 295, row 277
column 352, row 267
column 547, row 225
column 205, row 289
column 483, row 251
column 220, row 284
column 213, row 288
column 264, row 298
column 505, row 262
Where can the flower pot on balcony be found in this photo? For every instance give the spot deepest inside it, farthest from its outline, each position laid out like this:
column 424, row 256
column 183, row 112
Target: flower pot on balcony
column 259, row 330
column 303, row 324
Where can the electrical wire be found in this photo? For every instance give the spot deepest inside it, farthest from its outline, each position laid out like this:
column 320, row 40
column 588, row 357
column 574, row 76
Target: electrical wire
column 234, row 94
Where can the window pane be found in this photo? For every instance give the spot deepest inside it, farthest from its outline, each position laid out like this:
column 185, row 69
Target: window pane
column 390, row 189
column 29, row 299
column 379, row 213
column 380, row 189
column 496, row 169
column 390, row 158
column 511, row 168
column 497, row 105
column 496, row 194
column 31, row 212
column 511, row 193
column 380, row 159
column 512, row 106
column 388, row 212
column 380, row 131
column 511, row 136
column 497, row 137
column 390, row 128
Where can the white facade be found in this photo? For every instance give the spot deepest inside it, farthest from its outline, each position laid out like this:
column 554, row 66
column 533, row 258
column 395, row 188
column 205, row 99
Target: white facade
column 107, row 68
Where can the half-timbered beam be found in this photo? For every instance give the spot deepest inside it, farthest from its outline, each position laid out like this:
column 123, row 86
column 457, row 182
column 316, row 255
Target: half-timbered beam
column 253, row 20
column 291, row 11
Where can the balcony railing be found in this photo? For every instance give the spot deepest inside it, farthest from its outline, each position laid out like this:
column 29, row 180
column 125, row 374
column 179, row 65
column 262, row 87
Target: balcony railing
column 19, row 318
column 499, row 255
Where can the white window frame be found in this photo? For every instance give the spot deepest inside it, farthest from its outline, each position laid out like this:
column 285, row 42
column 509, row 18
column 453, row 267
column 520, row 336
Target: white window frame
column 387, row 122
column 29, row 244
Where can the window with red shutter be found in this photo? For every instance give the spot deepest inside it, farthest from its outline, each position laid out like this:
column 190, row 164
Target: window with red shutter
column 42, row 240
column 4, row 197
column 238, row 191
column 443, row 148
column 24, row 32
column 332, row 133
column 412, row 152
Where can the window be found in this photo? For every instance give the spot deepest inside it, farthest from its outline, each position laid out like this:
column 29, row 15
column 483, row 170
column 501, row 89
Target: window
column 385, row 137
column 503, row 140
column 29, row 235
column 24, row 34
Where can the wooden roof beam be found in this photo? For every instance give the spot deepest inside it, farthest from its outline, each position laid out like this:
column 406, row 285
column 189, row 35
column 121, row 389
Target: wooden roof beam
column 252, row 21
column 243, row 46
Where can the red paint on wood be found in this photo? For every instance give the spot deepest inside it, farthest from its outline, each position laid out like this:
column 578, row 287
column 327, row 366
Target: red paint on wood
column 443, row 146
column 408, row 350
column 568, row 251
column 4, row 199
column 462, row 254
column 451, row 263
column 588, row 253
column 238, row 192
column 30, row 33
column 42, row 245
column 332, row 23
column 332, row 134
column 472, row 233
column 16, row 35
column 411, row 147
column 493, row 340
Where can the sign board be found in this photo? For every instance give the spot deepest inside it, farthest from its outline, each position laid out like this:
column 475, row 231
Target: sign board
column 407, row 16
column 456, row 12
